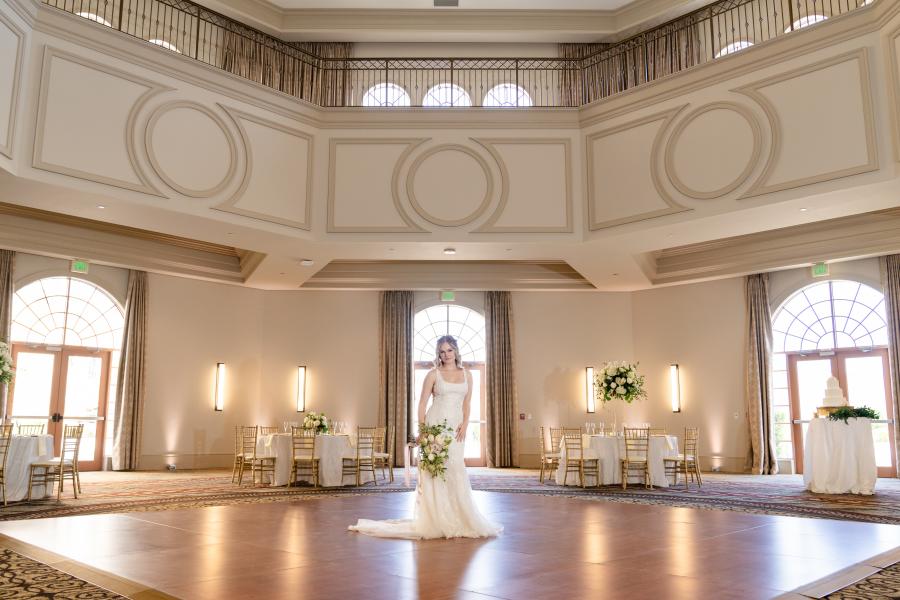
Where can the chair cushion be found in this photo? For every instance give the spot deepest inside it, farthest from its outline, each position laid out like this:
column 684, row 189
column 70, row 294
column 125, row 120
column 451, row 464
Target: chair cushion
column 381, row 455
column 553, row 454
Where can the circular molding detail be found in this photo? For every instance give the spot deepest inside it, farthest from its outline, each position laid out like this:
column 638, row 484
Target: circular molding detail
column 230, row 171
column 755, row 130
column 443, row 222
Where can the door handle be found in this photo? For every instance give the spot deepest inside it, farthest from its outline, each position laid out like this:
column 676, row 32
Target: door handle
column 56, row 418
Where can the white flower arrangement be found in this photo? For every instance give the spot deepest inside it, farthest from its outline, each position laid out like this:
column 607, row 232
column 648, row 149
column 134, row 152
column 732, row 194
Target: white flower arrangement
column 434, row 448
column 619, row 381
column 316, row 421
column 6, row 365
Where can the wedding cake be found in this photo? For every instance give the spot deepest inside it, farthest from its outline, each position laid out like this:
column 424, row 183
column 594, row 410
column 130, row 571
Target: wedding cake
column 834, row 397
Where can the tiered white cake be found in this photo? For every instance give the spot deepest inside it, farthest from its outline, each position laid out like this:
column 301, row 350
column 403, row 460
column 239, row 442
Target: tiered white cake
column 834, row 396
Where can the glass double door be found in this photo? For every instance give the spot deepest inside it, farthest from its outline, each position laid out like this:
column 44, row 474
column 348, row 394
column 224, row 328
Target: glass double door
column 59, row 386
column 864, row 378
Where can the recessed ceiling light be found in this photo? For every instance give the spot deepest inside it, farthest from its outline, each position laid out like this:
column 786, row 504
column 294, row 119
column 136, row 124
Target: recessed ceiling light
column 804, row 209
column 306, row 262
column 615, row 274
column 390, row 249
column 281, row 273
column 509, row 249
column 100, row 206
column 449, row 251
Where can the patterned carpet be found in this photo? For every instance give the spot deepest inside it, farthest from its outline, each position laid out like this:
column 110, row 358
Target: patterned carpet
column 149, row 491
column 22, row 577
column 882, row 585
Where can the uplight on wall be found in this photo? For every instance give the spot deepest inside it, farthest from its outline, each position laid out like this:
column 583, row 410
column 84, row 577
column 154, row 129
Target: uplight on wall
column 675, row 387
column 220, row 386
column 301, row 389
column 589, row 389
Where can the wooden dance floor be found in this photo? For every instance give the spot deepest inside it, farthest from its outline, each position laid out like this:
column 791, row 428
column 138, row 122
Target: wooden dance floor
column 553, row 547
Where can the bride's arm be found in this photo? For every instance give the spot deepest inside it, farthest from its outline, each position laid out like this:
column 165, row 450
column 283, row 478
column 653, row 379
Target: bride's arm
column 467, row 405
column 426, row 393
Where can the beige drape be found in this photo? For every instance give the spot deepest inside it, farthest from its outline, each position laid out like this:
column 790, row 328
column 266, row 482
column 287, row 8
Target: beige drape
column 572, row 80
column 7, row 265
column 758, row 391
column 396, row 366
column 130, row 386
column 890, row 278
column 502, row 434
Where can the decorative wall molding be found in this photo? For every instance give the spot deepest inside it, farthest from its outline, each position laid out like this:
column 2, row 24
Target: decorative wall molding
column 6, row 145
column 411, row 226
column 754, row 92
column 490, row 225
column 229, row 206
column 427, row 215
column 667, row 117
column 676, row 181
column 153, row 88
column 230, row 169
column 894, row 88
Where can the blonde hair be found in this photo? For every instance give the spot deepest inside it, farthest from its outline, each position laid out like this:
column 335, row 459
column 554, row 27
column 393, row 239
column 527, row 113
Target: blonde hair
column 447, row 339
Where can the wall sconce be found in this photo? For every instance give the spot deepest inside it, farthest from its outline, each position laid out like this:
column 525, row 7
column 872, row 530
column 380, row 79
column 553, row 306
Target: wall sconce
column 220, row 386
column 589, row 389
column 675, row 387
column 301, row 389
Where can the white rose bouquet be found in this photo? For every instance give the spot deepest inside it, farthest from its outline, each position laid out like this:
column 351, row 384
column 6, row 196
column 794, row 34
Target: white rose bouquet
column 619, row 381
column 316, row 421
column 6, row 365
column 434, row 448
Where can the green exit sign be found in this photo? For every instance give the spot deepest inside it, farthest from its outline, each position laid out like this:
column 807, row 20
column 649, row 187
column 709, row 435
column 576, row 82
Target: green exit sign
column 448, row 296
column 820, row 270
column 80, row 266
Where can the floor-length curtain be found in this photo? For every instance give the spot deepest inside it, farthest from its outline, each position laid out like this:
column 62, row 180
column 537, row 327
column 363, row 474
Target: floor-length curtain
column 758, row 393
column 396, row 367
column 7, row 264
column 502, row 438
column 890, row 277
column 129, row 406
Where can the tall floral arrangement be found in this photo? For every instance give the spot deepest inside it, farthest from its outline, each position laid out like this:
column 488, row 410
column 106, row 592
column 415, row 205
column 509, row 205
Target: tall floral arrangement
column 316, row 421
column 6, row 365
column 619, row 381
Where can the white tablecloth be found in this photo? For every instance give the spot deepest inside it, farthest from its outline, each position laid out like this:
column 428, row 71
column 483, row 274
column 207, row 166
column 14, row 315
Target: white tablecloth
column 610, row 450
column 24, row 450
column 839, row 458
column 330, row 450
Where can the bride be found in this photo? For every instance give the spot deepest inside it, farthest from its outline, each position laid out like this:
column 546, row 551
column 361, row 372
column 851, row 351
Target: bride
column 445, row 508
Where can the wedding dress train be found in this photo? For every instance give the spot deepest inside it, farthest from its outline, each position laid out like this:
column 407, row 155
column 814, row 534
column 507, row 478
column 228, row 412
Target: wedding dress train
column 445, row 507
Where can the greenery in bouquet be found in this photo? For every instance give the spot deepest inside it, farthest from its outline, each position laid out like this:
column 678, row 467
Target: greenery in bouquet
column 316, row 421
column 848, row 412
column 6, row 365
column 619, row 381
column 434, row 448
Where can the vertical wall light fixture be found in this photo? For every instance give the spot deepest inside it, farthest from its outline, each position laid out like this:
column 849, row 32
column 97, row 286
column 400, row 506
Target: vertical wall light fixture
column 589, row 389
column 301, row 388
column 220, row 386
column 675, row 387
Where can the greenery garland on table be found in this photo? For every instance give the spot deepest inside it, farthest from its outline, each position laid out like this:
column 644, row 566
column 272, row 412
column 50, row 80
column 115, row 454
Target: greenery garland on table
column 848, row 412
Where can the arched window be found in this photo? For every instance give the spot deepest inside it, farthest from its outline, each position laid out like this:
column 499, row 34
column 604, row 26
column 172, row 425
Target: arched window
column 805, row 22
column 93, row 17
column 446, row 95
column 386, row 94
column 507, row 95
column 166, row 45
column 733, row 47
column 467, row 326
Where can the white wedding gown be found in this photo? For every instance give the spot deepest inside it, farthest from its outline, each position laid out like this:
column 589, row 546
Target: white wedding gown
column 445, row 508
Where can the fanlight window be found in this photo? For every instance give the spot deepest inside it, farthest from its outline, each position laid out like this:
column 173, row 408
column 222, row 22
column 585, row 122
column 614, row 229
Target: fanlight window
column 386, row 94
column 507, row 95
column 166, row 45
column 733, row 47
column 830, row 315
column 66, row 311
column 805, row 22
column 466, row 325
column 445, row 95
column 93, row 17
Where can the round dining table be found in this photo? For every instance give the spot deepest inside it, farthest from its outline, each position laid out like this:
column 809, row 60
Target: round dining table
column 610, row 450
column 330, row 450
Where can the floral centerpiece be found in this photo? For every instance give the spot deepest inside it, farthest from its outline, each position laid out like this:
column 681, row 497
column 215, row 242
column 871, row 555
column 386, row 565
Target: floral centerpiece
column 619, row 381
column 6, row 365
column 316, row 421
column 434, row 448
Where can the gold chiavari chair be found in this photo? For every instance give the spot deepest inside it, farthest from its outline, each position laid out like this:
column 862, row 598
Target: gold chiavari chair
column 687, row 462
column 266, row 430
column 556, row 434
column 363, row 460
column 658, row 431
column 637, row 454
column 384, row 451
column 305, row 463
column 238, row 466
column 43, row 473
column 549, row 460
column 31, row 429
column 262, row 464
column 580, row 460
column 5, row 441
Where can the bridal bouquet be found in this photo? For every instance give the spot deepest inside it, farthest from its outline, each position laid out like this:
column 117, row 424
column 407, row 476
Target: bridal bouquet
column 619, row 381
column 434, row 448
column 316, row 421
column 6, row 365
